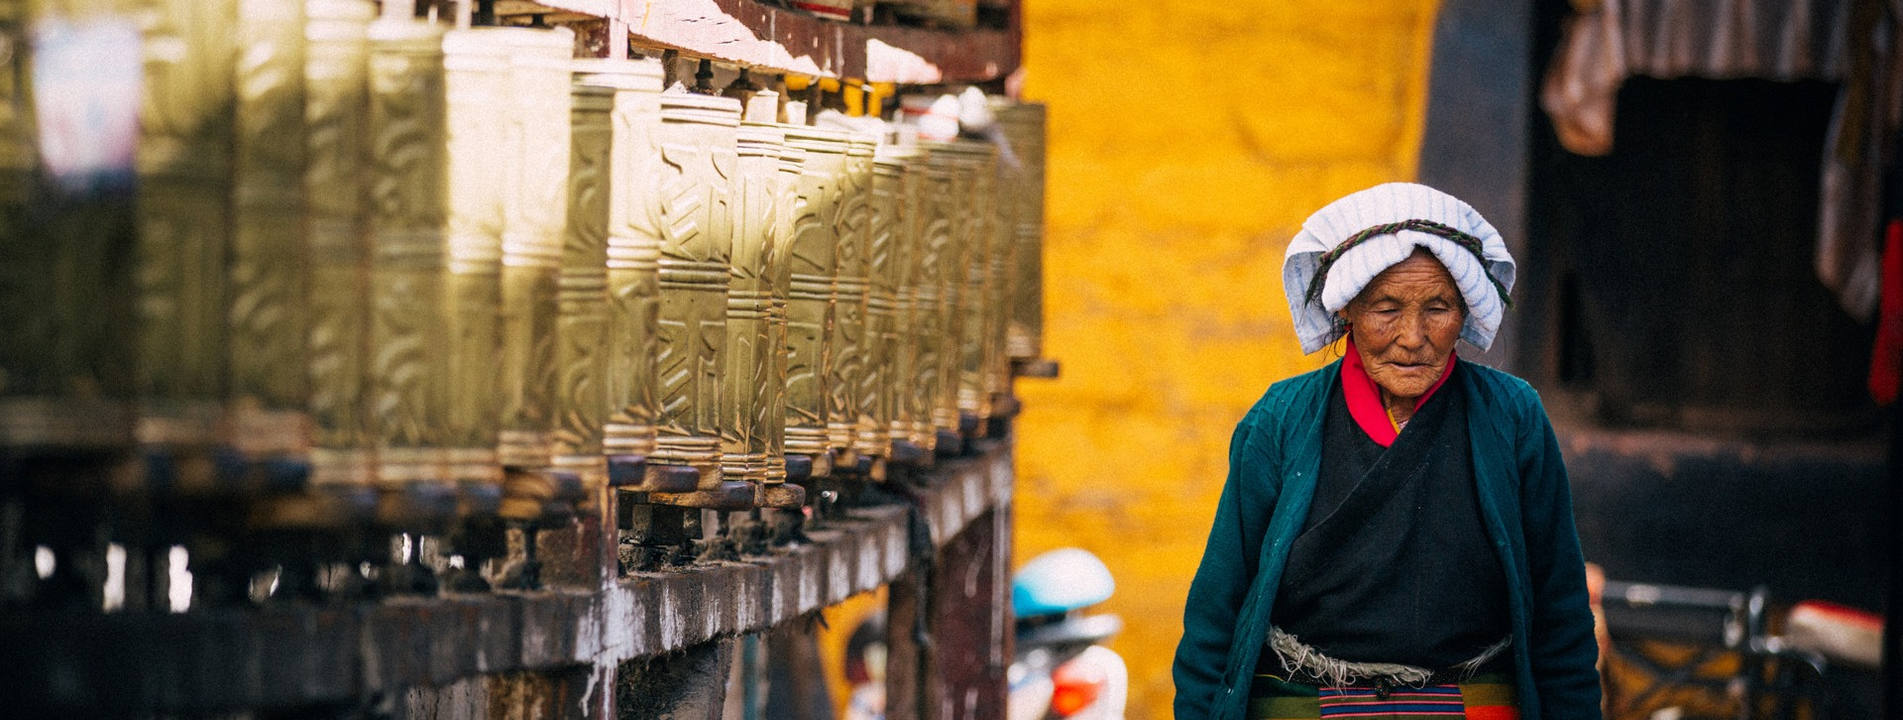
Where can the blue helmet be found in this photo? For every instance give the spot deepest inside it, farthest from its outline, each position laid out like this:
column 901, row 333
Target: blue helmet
column 1060, row 581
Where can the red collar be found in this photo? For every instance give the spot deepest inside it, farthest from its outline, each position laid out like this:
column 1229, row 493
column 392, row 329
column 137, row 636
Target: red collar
column 1364, row 398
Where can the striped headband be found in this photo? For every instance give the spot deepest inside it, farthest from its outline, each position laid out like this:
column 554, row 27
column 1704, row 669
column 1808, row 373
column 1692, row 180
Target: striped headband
column 1468, row 242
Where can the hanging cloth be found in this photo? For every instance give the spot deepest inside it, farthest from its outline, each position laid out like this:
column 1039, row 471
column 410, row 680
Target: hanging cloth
column 1853, row 42
column 1606, row 41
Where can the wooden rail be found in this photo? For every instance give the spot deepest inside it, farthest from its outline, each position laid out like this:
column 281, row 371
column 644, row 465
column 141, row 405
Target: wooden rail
column 298, row 655
column 757, row 35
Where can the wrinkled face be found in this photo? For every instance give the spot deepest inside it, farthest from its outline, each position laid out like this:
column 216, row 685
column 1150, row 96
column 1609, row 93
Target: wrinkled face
column 1405, row 324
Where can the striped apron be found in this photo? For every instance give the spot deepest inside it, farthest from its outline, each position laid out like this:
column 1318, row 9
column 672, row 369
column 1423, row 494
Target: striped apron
column 1487, row 696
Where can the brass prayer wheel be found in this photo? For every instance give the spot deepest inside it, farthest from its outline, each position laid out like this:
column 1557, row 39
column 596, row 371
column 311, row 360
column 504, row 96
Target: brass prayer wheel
column 696, row 138
column 857, row 376
column 535, row 153
column 267, row 268
column 912, row 402
column 336, row 111
column 479, row 159
column 411, row 376
column 66, row 366
column 633, row 254
column 973, row 220
column 1023, row 125
column 812, row 268
column 581, row 403
column 920, row 303
column 786, row 184
column 885, row 308
column 942, row 283
column 749, row 305
column 1000, row 244
column 184, row 163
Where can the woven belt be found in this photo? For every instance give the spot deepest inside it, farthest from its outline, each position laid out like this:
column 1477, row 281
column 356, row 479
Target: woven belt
column 1305, row 664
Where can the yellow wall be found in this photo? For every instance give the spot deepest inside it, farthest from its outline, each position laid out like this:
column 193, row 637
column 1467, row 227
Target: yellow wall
column 1188, row 140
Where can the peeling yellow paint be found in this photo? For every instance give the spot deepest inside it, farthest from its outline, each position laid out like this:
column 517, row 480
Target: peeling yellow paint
column 1188, row 140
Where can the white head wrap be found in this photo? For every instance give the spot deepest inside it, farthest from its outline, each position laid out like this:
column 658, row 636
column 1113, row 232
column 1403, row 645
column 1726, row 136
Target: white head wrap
column 1382, row 205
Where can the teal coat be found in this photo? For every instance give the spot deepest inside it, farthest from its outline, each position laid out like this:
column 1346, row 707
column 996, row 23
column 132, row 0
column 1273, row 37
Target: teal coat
column 1274, row 458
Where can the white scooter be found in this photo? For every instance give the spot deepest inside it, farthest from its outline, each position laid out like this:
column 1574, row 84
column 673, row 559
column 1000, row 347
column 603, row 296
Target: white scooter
column 1062, row 669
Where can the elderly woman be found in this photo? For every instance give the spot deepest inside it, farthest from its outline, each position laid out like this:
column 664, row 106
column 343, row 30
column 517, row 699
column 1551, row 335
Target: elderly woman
column 1395, row 538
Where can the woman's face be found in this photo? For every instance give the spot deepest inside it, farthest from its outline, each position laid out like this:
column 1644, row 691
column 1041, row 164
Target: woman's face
column 1405, row 324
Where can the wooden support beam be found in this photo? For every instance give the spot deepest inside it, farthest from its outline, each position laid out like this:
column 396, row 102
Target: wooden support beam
column 753, row 34
column 296, row 655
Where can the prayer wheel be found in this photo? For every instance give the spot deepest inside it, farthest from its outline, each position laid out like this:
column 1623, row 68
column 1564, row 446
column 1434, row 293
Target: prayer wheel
column 412, row 373
column 1023, row 125
column 916, row 373
column 270, row 273
column 859, row 272
column 634, row 251
column 812, row 269
column 780, row 461
column 940, row 283
column 886, row 307
column 846, row 341
column 266, row 270
column 1000, row 247
column 581, row 404
column 536, row 154
column 184, row 164
column 749, row 304
column 337, row 97
column 973, row 225
column 66, row 245
column 691, row 205
column 479, row 159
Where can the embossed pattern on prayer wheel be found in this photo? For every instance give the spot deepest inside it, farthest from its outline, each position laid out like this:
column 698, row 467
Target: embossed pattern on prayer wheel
column 411, row 376
column 859, row 375
column 184, row 164
column 884, row 402
column 749, row 305
column 940, row 285
column 812, row 270
column 269, row 259
column 696, row 139
column 916, row 370
column 786, row 183
column 847, row 340
column 581, row 357
column 337, row 108
column 634, row 252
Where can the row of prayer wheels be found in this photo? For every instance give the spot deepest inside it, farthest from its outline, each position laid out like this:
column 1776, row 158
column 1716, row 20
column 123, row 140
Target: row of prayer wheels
column 373, row 268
